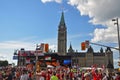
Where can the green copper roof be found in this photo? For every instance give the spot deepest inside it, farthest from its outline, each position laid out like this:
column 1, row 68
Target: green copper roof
column 62, row 21
column 70, row 49
column 70, row 46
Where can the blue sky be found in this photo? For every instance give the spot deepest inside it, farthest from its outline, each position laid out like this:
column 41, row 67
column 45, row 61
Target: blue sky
column 25, row 23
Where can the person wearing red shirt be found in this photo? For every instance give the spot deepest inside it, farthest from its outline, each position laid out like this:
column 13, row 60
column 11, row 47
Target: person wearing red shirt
column 48, row 75
column 30, row 75
column 71, row 75
column 118, row 76
column 58, row 74
column 96, row 75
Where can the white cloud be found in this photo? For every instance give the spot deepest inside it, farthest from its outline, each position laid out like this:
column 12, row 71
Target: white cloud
column 100, row 12
column 16, row 45
column 58, row 1
column 116, row 63
column 105, row 35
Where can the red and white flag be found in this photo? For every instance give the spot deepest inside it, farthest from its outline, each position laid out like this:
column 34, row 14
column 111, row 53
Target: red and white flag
column 27, row 60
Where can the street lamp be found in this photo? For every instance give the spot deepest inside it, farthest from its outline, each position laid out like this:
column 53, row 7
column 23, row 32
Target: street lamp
column 37, row 48
column 116, row 23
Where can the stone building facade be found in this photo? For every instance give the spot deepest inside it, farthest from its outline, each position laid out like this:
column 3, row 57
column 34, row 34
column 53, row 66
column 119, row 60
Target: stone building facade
column 91, row 58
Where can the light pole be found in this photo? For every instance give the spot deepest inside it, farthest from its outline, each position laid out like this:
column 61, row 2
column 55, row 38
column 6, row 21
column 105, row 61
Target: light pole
column 116, row 23
column 37, row 48
column 36, row 54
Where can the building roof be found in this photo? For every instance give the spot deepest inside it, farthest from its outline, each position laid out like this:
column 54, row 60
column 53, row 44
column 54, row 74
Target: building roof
column 90, row 50
column 77, row 54
column 62, row 24
column 70, row 50
column 62, row 21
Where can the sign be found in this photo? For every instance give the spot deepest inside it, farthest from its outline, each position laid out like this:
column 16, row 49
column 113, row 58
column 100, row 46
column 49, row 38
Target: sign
column 15, row 57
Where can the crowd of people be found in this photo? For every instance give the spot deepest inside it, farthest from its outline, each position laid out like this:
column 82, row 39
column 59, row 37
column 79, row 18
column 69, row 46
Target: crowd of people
column 56, row 73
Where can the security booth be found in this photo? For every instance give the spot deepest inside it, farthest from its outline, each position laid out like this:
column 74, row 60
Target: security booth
column 65, row 60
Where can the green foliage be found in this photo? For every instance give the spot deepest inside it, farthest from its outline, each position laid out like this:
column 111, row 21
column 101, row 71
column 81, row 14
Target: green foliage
column 3, row 63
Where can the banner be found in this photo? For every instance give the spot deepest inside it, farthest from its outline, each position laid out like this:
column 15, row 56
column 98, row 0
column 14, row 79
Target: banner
column 47, row 58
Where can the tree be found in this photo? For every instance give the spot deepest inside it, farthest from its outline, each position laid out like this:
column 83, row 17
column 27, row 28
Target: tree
column 4, row 63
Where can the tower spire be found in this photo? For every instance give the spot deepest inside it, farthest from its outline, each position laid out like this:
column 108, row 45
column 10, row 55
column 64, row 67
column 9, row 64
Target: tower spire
column 70, row 50
column 62, row 21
